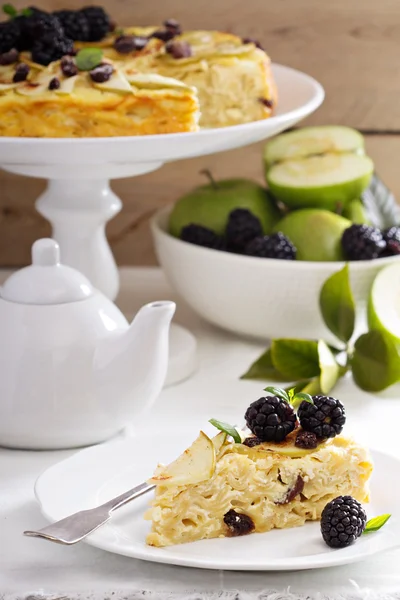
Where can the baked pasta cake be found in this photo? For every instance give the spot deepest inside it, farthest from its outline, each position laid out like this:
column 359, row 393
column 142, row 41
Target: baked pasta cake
column 280, row 475
column 145, row 81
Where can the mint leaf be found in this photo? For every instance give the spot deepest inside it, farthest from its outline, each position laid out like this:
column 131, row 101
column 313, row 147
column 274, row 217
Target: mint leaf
column 376, row 523
column 10, row 10
column 263, row 369
column 337, row 305
column 376, row 361
column 277, row 392
column 295, row 359
column 26, row 12
column 88, row 58
column 329, row 368
column 299, row 398
column 226, row 428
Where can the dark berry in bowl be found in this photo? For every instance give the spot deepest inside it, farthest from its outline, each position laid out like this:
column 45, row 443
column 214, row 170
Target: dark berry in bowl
column 201, row 236
column 325, row 417
column 342, row 521
column 242, row 227
column 363, row 242
column 271, row 419
column 276, row 245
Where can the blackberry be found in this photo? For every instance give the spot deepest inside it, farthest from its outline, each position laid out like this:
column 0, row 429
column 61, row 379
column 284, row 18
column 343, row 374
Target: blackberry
column 242, row 227
column 271, row 419
column 306, row 440
column 99, row 22
column 201, row 236
column 325, row 417
column 74, row 23
column 43, row 24
column 238, row 523
column 9, row 35
column 49, row 48
column 342, row 521
column 25, row 26
column 362, row 242
column 273, row 246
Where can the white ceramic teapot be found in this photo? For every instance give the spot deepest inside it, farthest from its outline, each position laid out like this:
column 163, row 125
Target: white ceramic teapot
column 73, row 372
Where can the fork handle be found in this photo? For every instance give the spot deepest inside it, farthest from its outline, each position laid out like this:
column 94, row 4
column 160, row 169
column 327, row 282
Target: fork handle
column 126, row 497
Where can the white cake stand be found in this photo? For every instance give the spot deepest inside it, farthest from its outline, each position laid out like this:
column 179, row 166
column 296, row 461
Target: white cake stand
column 78, row 200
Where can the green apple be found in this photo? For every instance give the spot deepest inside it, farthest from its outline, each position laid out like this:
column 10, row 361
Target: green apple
column 324, row 181
column 356, row 212
column 316, row 233
column 210, row 205
column 312, row 141
column 384, row 302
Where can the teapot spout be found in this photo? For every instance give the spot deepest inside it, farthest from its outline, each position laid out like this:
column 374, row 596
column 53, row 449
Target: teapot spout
column 131, row 366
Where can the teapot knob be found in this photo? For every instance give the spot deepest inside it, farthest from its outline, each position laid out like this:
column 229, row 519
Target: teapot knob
column 46, row 253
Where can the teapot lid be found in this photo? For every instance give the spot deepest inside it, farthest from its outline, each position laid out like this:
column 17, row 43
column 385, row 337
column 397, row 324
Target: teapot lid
column 46, row 281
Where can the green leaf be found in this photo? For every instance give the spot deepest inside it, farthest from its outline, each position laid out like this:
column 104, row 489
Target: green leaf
column 299, row 398
column 329, row 368
column 10, row 10
column 263, row 369
column 277, row 392
column 376, row 523
column 26, row 12
column 226, row 428
column 376, row 361
column 88, row 58
column 295, row 359
column 337, row 304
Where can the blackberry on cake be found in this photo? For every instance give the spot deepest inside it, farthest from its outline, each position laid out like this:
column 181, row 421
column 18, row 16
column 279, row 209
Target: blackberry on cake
column 98, row 21
column 325, row 417
column 74, row 23
column 270, row 418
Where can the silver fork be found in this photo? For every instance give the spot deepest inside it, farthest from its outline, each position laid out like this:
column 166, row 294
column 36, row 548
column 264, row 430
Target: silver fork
column 78, row 526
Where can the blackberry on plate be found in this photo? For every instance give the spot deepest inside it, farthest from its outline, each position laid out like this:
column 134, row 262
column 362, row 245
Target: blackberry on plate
column 325, row 417
column 362, row 242
column 201, row 236
column 99, row 22
column 242, row 227
column 273, row 246
column 271, row 419
column 74, row 23
column 49, row 48
column 9, row 35
column 342, row 521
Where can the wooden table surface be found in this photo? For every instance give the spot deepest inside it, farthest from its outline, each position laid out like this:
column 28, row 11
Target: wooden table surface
column 351, row 47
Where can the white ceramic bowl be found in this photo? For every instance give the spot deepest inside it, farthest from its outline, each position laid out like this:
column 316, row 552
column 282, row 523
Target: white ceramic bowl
column 263, row 298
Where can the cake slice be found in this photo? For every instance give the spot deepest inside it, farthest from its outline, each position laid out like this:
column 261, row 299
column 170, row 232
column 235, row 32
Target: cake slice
column 219, row 488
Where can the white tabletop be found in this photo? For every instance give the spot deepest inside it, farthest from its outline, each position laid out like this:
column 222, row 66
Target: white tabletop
column 36, row 569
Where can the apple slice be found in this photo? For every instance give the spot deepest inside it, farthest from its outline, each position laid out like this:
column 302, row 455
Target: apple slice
column 152, row 81
column 320, row 181
column 384, row 305
column 310, row 141
column 117, row 83
column 196, row 464
column 218, row 441
column 288, row 448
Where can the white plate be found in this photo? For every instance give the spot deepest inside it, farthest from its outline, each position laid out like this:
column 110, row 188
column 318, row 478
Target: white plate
column 299, row 96
column 97, row 474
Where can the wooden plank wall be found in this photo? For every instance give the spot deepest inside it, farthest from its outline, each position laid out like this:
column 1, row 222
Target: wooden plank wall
column 351, row 47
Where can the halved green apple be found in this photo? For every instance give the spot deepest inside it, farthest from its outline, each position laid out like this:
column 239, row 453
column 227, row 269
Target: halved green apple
column 325, row 181
column 196, row 464
column 311, row 141
column 384, row 302
column 356, row 212
column 317, row 234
